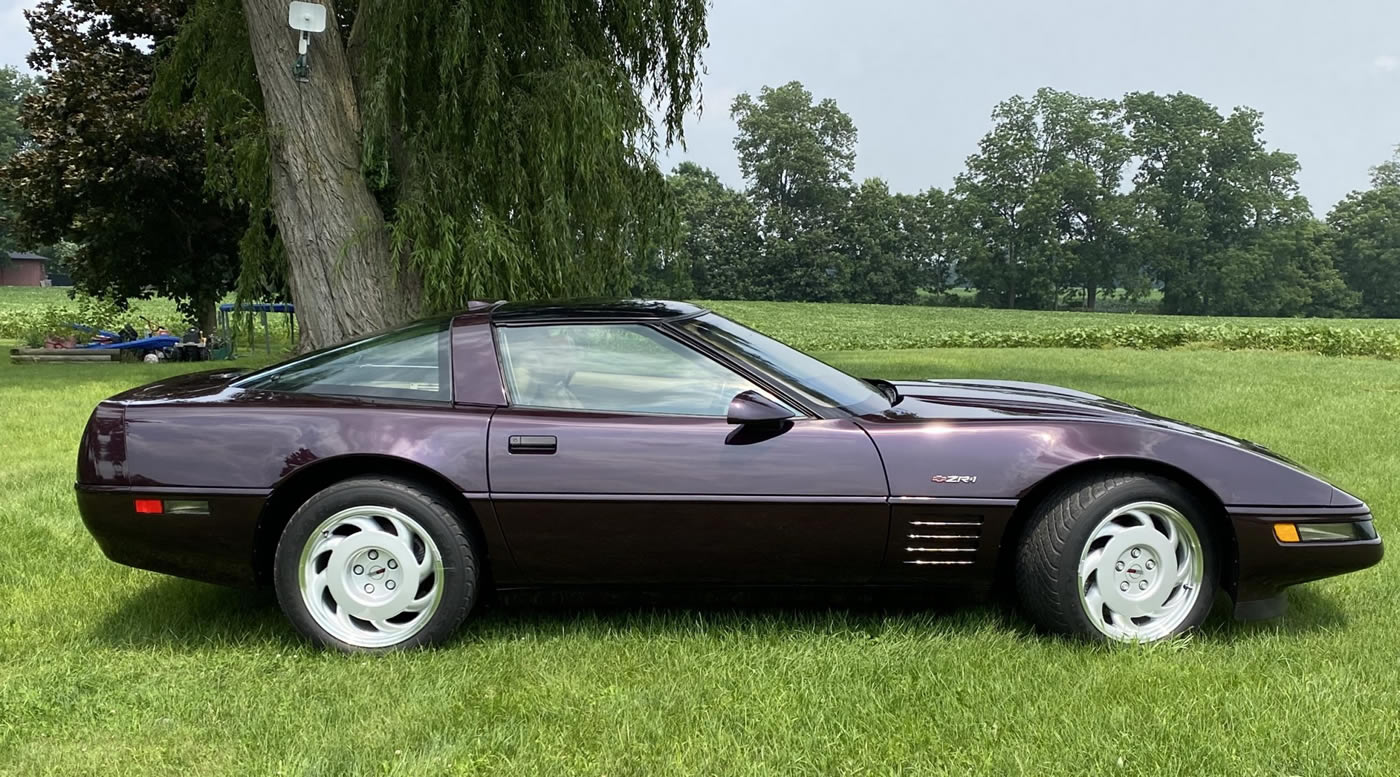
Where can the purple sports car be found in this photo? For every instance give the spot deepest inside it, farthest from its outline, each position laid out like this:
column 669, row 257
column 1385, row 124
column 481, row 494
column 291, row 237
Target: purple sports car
column 380, row 485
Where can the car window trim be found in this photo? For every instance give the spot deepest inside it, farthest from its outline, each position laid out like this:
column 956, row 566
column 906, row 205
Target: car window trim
column 661, row 328
column 357, row 398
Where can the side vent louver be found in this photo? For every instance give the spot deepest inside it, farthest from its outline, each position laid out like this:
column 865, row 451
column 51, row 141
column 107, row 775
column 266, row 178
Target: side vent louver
column 943, row 542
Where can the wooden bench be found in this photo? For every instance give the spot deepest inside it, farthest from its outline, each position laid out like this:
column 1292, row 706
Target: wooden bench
column 63, row 355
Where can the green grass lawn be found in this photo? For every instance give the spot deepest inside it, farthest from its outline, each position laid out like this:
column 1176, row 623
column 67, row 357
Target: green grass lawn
column 108, row 670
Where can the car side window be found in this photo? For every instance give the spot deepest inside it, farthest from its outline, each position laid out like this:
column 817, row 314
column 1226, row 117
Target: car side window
column 621, row 368
column 411, row 362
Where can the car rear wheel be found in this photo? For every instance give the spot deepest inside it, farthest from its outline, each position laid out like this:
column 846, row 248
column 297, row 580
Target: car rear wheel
column 1124, row 557
column 375, row 564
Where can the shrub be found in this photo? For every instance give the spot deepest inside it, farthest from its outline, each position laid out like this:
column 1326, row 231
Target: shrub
column 33, row 325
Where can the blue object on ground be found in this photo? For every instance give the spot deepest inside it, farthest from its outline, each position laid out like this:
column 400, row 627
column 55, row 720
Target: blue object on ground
column 152, row 343
column 94, row 330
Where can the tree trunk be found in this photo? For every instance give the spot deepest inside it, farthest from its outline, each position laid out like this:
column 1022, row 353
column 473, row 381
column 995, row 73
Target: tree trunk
column 340, row 271
column 208, row 316
column 1091, row 295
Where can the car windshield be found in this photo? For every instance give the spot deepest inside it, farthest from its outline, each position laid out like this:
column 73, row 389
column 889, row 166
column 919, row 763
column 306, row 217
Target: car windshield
column 812, row 378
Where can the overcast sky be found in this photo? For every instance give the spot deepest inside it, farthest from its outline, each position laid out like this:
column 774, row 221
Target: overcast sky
column 920, row 78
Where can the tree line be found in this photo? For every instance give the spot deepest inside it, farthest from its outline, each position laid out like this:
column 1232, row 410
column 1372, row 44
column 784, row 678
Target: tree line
column 1067, row 198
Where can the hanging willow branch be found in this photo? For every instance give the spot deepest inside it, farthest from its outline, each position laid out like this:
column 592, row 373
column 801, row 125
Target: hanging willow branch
column 511, row 144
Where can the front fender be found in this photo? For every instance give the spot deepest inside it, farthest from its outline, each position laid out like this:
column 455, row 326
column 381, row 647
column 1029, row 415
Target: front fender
column 1006, row 460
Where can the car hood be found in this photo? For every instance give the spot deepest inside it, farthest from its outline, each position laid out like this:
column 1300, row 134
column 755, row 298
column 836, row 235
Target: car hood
column 938, row 398
column 949, row 400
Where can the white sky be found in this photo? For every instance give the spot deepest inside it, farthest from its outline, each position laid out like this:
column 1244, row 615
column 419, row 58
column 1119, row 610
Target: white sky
column 920, row 77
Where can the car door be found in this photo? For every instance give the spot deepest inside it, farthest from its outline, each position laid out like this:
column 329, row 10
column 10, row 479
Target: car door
column 614, row 462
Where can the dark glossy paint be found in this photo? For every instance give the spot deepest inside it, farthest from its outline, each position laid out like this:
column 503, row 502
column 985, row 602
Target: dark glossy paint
column 592, row 310
column 476, row 376
column 217, row 548
column 926, row 492
column 665, row 498
column 1011, row 438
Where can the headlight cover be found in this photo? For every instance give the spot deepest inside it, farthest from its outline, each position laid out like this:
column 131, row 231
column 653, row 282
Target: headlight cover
column 1342, row 531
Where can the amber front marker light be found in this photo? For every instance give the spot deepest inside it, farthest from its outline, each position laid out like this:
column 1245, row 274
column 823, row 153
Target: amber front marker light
column 1286, row 532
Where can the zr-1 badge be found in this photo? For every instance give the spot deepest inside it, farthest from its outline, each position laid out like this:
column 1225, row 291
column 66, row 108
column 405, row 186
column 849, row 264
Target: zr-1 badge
column 954, row 478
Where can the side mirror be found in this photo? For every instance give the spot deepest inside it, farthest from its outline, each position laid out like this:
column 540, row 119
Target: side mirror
column 751, row 407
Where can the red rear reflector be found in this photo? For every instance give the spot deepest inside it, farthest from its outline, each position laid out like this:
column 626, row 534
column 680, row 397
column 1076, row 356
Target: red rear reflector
column 149, row 506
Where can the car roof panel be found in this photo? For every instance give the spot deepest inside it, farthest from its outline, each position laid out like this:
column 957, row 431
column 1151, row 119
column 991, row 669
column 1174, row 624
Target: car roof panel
column 592, row 310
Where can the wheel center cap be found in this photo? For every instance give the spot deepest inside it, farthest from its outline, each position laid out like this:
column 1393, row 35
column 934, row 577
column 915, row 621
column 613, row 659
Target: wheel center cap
column 1135, row 571
column 376, row 573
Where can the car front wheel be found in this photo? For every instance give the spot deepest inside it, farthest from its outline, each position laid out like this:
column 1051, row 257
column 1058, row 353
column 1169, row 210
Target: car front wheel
column 1124, row 557
column 375, row 564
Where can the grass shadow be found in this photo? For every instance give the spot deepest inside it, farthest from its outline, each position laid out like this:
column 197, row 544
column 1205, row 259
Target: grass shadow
column 872, row 610
column 181, row 614
column 1309, row 610
column 184, row 614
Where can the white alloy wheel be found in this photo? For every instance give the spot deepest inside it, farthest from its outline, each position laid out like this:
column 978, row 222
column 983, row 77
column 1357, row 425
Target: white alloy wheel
column 371, row 576
column 1140, row 573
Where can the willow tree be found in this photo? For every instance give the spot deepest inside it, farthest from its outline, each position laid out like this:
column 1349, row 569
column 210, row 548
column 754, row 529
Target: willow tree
column 440, row 150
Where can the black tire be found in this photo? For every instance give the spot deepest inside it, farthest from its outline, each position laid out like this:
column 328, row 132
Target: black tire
column 1047, row 560
column 460, row 567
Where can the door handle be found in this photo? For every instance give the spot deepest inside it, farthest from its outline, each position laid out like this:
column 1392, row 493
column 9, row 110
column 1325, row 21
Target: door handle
column 533, row 443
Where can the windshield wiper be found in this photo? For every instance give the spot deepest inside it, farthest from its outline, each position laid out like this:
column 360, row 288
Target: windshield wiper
column 886, row 389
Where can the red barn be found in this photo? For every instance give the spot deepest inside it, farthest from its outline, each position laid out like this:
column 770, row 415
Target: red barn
column 24, row 270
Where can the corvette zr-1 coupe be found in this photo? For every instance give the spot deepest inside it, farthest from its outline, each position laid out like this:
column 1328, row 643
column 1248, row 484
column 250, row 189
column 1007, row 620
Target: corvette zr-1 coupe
column 380, row 485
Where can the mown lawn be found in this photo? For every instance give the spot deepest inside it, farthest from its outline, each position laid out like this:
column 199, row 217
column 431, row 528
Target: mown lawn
column 108, row 670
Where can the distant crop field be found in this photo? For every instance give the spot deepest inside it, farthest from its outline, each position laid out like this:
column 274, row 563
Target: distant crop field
column 851, row 318
column 23, row 298
column 841, row 326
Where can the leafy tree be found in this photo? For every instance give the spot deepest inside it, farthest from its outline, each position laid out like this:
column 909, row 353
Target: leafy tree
column 719, row 245
column 877, row 247
column 1224, row 228
column 1008, row 206
column 931, row 244
column 441, row 150
column 131, row 196
column 797, row 156
column 1366, row 228
column 1095, row 215
column 14, row 87
column 894, row 244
